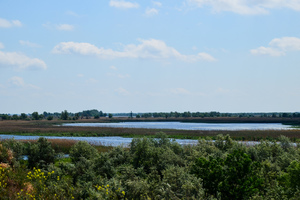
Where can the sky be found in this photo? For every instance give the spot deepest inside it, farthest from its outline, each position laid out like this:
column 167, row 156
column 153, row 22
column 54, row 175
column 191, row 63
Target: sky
column 150, row 56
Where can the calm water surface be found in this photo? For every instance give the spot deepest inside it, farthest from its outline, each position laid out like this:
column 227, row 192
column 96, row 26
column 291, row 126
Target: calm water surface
column 110, row 141
column 106, row 141
column 117, row 141
column 188, row 126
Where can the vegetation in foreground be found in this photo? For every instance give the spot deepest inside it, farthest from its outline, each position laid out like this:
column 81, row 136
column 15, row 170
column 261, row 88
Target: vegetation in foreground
column 151, row 169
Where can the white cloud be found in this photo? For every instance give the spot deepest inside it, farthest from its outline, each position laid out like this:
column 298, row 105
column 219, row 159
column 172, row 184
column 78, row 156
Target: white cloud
column 92, row 81
column 180, row 91
column 246, row 7
column 61, row 27
column 123, row 4
column 29, row 44
column 16, row 23
column 266, row 51
column 205, row 56
column 9, row 23
column 118, row 75
column 71, row 13
column 113, row 67
column 64, row 27
column 19, row 82
column 278, row 47
column 80, row 75
column 222, row 91
column 151, row 11
column 122, row 91
column 48, row 25
column 147, row 49
column 20, row 61
column 157, row 3
column 1, row 46
column 286, row 43
column 123, row 75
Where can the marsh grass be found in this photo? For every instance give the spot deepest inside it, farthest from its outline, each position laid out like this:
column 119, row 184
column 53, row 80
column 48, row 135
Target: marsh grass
column 64, row 145
column 46, row 128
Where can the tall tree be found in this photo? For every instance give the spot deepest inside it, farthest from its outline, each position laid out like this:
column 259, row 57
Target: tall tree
column 35, row 116
column 64, row 115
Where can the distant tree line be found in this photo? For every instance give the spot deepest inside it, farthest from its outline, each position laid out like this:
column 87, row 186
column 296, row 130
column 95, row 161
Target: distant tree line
column 95, row 114
column 214, row 114
column 64, row 115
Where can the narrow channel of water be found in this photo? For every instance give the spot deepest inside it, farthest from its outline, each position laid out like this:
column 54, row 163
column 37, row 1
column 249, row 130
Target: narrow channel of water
column 111, row 141
column 188, row 126
column 105, row 141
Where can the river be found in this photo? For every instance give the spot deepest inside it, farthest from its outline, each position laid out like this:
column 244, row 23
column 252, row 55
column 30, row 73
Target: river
column 188, row 126
column 117, row 141
column 106, row 141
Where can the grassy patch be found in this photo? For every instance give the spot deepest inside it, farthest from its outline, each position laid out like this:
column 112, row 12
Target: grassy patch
column 46, row 128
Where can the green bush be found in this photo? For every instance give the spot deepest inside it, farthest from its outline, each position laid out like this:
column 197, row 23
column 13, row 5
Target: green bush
column 17, row 147
column 152, row 169
column 82, row 149
column 40, row 154
column 235, row 177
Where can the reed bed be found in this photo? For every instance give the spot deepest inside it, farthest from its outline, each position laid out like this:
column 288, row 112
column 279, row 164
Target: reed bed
column 65, row 145
column 46, row 128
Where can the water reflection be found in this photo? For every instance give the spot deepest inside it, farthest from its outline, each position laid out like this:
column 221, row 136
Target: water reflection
column 188, row 126
column 106, row 141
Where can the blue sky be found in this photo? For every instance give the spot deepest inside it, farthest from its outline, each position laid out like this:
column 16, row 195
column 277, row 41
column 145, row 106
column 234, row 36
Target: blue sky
column 150, row 56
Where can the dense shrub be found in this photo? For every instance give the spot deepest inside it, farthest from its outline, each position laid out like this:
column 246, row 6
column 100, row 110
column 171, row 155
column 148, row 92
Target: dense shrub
column 153, row 169
column 17, row 148
column 82, row 149
column 40, row 154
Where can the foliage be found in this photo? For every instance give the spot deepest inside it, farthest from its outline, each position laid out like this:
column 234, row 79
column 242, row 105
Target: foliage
column 23, row 116
column 35, row 116
column 152, row 168
column 40, row 154
column 17, row 148
column 64, row 115
column 241, row 177
column 82, row 149
column 50, row 118
column 292, row 177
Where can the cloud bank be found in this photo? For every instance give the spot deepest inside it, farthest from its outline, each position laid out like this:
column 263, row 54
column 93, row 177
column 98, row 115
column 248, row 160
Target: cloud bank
column 278, row 47
column 151, row 11
column 9, row 23
column 19, row 82
column 65, row 27
column 123, row 4
column 29, row 44
column 60, row 27
column 20, row 62
column 246, row 7
column 157, row 3
column 147, row 49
